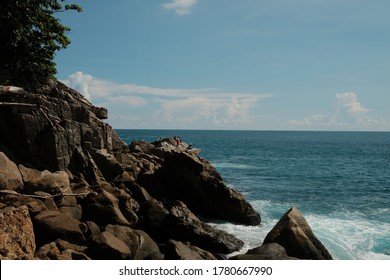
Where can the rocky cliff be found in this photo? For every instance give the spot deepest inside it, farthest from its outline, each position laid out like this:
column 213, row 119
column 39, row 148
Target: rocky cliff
column 71, row 189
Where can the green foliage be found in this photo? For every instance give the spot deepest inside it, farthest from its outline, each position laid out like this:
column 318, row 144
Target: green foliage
column 30, row 35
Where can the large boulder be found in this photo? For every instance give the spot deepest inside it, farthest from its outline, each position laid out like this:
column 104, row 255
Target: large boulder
column 106, row 246
column 51, row 225
column 17, row 239
column 296, row 236
column 184, row 176
column 141, row 246
column 10, row 177
column 182, row 225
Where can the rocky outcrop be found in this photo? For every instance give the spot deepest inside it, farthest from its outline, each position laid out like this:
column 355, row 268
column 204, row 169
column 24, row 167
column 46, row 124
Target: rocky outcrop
column 295, row 235
column 84, row 186
column 82, row 193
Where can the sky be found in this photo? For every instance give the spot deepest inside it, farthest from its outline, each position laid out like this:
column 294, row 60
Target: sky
column 232, row 64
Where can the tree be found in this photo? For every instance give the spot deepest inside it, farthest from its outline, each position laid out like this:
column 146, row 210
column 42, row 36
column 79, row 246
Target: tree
column 30, row 35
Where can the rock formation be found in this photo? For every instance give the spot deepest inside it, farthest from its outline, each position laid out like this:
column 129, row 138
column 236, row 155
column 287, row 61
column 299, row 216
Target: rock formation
column 70, row 188
column 295, row 235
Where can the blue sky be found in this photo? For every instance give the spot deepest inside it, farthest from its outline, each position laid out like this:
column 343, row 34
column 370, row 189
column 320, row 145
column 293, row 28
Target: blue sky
column 233, row 64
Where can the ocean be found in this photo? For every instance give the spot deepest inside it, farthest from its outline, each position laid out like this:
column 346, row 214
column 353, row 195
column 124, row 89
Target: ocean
column 339, row 181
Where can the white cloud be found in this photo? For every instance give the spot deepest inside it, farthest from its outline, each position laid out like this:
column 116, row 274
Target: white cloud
column 181, row 7
column 349, row 114
column 80, row 82
column 167, row 107
column 212, row 111
column 348, row 102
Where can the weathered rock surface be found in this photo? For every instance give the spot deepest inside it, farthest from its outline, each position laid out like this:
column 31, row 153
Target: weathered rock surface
column 17, row 240
column 92, row 196
column 10, row 177
column 295, row 235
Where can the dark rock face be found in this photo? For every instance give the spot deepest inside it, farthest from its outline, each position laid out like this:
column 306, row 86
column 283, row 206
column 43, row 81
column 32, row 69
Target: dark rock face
column 186, row 177
column 295, row 235
column 91, row 196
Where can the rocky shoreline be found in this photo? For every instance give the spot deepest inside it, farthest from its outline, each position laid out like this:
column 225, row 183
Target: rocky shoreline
column 70, row 188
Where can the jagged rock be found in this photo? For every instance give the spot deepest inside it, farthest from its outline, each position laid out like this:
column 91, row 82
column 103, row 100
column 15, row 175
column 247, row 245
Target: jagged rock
column 100, row 112
column 10, row 177
column 108, row 183
column 107, row 164
column 270, row 251
column 46, row 129
column 51, row 225
column 182, row 225
column 296, row 236
column 152, row 215
column 141, row 246
column 17, row 239
column 105, row 246
column 105, row 208
column 184, row 176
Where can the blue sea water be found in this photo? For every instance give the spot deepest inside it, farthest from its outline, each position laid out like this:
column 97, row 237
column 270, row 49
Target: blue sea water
column 339, row 181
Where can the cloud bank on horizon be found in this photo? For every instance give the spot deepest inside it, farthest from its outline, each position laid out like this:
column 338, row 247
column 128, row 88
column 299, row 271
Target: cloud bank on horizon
column 130, row 106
